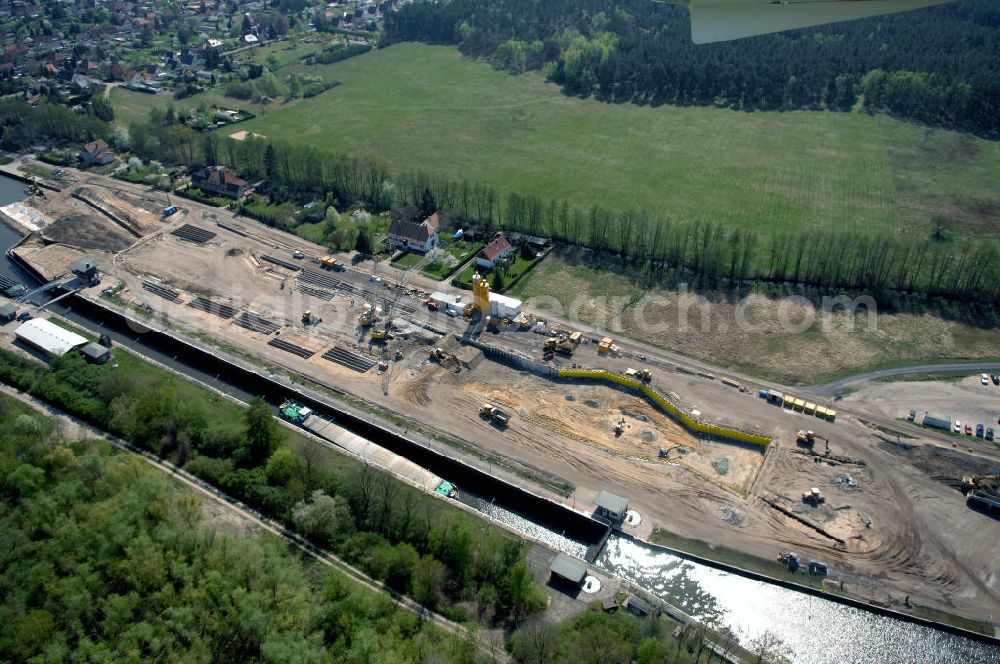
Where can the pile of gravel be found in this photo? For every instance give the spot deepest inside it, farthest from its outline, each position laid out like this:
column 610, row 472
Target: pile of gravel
column 593, row 403
column 683, row 451
column 638, row 416
column 731, row 516
column 570, row 397
column 721, row 465
column 846, row 481
column 648, row 435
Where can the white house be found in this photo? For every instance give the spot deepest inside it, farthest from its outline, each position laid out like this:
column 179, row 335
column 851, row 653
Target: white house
column 496, row 250
column 412, row 236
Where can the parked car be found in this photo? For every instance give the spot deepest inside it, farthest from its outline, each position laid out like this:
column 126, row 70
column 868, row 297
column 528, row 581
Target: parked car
column 958, row 426
column 979, row 429
column 995, row 378
column 913, row 414
column 968, row 429
column 984, row 379
column 989, row 434
column 25, row 315
column 451, row 312
column 299, row 254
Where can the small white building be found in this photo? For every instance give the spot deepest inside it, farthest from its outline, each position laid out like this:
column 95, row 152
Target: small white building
column 447, row 301
column 48, row 337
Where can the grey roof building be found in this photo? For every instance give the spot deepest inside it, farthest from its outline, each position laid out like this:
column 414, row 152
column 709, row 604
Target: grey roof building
column 95, row 353
column 569, row 569
column 610, row 506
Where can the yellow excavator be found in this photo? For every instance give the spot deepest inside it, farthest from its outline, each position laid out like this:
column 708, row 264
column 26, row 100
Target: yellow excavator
column 808, row 439
column 970, row 483
column 368, row 316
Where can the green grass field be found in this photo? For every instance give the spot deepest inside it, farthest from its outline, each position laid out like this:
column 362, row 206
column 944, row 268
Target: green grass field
column 428, row 108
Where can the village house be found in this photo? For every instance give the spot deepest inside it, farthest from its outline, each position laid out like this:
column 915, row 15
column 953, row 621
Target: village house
column 495, row 251
column 414, row 236
column 220, row 180
column 97, row 153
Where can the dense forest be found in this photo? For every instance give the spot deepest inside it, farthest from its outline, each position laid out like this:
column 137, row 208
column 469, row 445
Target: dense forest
column 104, row 560
column 940, row 66
column 417, row 544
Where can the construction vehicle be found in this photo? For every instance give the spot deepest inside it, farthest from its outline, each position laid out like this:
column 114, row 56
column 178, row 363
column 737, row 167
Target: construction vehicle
column 368, row 316
column 970, row 483
column 441, row 355
column 446, row 359
column 33, row 188
column 813, row 496
column 620, row 427
column 307, row 317
column 469, row 310
column 642, row 375
column 294, row 412
column 809, row 438
column 380, row 335
column 563, row 342
column 790, row 560
column 330, row 263
column 489, row 411
column 604, row 345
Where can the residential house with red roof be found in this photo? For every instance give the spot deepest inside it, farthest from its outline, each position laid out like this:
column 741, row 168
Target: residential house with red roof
column 220, row 180
column 498, row 249
column 97, row 153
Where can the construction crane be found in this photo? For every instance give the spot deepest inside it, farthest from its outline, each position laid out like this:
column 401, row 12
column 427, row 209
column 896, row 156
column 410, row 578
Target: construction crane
column 385, row 336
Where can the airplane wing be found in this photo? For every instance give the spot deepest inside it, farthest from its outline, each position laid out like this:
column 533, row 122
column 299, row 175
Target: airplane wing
column 722, row 20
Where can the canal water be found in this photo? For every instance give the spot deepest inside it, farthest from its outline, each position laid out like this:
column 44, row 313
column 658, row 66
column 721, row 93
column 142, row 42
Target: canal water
column 816, row 630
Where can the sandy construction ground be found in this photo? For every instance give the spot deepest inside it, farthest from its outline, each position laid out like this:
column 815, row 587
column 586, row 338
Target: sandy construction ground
column 893, row 524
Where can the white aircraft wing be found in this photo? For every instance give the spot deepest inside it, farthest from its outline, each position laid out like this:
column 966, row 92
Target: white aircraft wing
column 722, row 20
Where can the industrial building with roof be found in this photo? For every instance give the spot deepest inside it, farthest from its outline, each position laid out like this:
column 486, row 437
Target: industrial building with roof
column 48, row 337
column 611, row 507
column 493, row 304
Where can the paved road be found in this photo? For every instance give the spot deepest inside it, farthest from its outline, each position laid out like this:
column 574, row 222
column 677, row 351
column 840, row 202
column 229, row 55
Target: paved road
column 833, row 387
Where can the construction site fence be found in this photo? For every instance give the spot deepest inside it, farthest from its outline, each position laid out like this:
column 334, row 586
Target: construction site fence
column 513, row 359
column 658, row 399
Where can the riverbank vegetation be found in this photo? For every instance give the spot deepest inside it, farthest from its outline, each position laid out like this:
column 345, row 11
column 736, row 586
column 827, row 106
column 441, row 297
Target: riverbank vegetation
column 106, row 560
column 418, row 544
